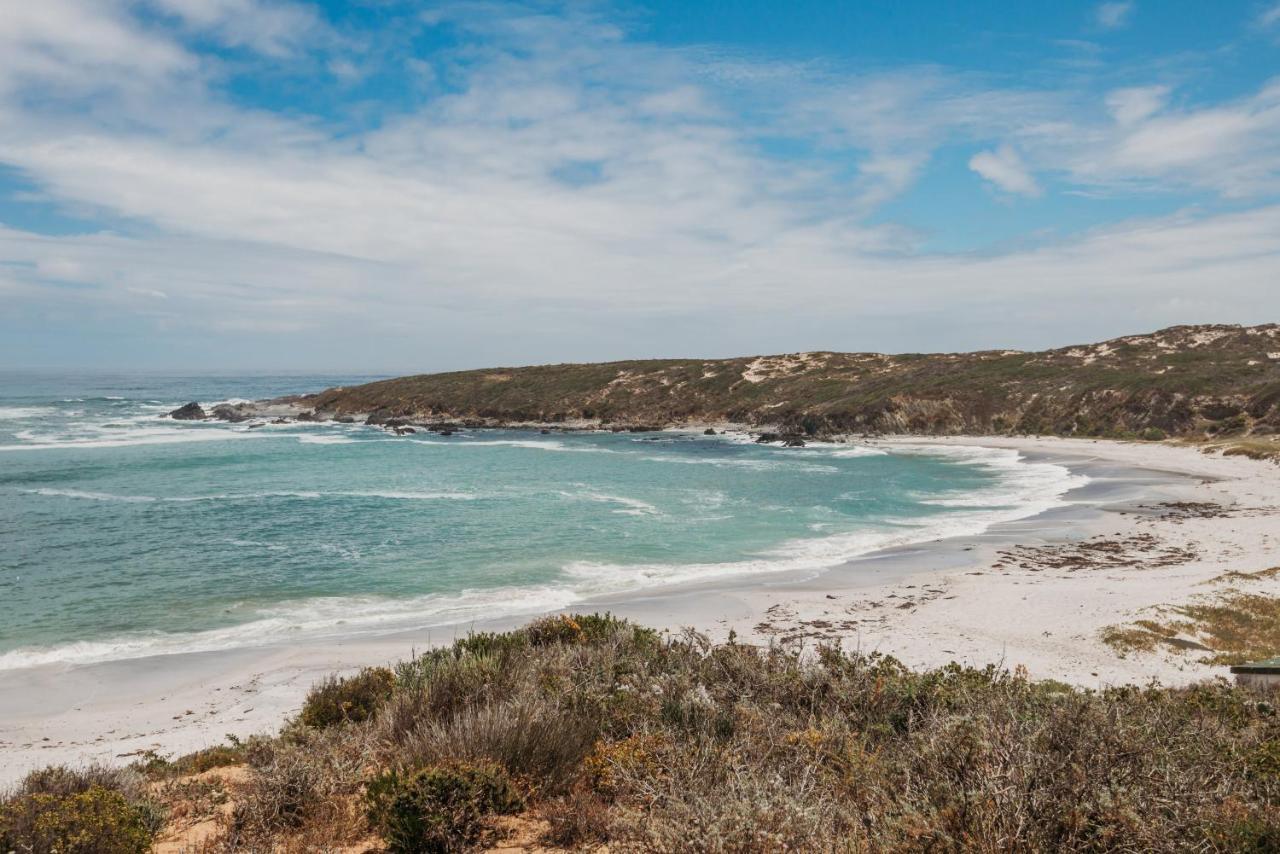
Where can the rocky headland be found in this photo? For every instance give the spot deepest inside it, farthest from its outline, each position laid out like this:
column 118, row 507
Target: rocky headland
column 1218, row 383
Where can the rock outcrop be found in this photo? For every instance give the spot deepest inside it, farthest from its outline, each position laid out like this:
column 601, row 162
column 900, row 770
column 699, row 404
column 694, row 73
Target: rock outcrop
column 188, row 412
column 227, row 412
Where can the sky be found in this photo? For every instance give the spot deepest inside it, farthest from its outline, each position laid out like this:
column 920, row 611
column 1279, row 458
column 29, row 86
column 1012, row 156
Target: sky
column 393, row 186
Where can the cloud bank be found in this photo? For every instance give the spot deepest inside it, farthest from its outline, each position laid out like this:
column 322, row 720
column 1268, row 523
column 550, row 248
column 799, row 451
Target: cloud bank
column 542, row 184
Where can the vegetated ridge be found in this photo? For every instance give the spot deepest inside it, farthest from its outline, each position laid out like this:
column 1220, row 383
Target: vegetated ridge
column 590, row 734
column 1187, row 381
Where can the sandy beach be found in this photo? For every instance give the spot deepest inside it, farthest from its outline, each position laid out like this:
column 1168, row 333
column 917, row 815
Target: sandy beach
column 1155, row 526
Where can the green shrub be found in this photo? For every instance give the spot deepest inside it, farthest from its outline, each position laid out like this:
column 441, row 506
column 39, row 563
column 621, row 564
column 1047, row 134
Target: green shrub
column 440, row 808
column 496, row 644
column 1154, row 434
column 602, row 627
column 354, row 698
column 560, row 628
column 218, row 756
column 532, row 738
column 155, row 766
column 94, row 821
column 1234, row 424
column 439, row 684
column 677, row 744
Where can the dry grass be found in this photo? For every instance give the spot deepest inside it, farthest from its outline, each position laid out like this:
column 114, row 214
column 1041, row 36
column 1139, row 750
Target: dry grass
column 1231, row 627
column 1255, row 448
column 1237, row 577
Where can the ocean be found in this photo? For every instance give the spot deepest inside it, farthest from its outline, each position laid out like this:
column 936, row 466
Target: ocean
column 126, row 534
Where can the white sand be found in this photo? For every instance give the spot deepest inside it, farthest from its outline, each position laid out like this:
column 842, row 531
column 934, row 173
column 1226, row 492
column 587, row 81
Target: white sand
column 1047, row 621
column 926, row 605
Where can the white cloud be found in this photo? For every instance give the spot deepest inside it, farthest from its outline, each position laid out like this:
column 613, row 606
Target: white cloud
column 1130, row 106
column 1004, row 168
column 272, row 27
column 1112, row 16
column 449, row 221
column 81, row 44
column 60, row 269
column 1270, row 16
column 1136, row 275
column 1231, row 148
column 148, row 292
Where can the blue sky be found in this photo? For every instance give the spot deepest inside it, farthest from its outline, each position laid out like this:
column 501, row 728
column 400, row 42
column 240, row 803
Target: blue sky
column 378, row 185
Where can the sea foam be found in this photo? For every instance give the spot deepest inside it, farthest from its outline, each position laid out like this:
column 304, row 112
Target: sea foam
column 310, row 619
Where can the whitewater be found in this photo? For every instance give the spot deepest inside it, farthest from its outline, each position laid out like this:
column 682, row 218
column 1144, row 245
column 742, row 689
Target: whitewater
column 128, row 534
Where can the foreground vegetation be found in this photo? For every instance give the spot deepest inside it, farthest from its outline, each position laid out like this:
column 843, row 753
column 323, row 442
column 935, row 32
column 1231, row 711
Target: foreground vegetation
column 597, row 732
column 1218, row 383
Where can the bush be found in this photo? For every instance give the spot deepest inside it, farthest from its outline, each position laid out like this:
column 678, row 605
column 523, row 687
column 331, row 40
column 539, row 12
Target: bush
column 598, row 628
column 155, row 766
column 96, row 820
column 1154, row 434
column 610, row 762
column 561, row 628
column 613, row 734
column 218, row 756
column 61, row 780
column 528, row 736
column 579, row 818
column 440, row 808
column 303, row 787
column 354, row 698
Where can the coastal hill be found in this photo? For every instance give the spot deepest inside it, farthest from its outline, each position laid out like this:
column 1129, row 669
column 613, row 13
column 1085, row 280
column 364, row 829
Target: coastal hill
column 1189, row 381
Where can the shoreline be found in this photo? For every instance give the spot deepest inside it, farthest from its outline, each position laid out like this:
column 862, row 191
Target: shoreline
column 926, row 604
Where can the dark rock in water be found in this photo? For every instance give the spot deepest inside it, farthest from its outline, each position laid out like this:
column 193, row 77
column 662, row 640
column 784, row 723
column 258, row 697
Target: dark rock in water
column 280, row 421
column 710, row 431
column 226, row 412
column 306, row 416
column 345, row 419
column 446, row 432
column 255, row 425
column 545, row 432
column 378, row 417
column 788, row 440
column 188, row 412
column 404, row 431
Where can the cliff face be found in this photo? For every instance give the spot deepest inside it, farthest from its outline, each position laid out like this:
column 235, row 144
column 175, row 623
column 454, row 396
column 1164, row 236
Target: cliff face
column 1186, row 380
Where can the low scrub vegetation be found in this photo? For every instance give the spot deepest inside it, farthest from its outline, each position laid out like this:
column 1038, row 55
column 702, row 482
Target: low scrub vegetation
column 1254, row 450
column 89, row 811
column 439, row 808
column 1216, row 382
column 352, row 699
column 599, row 732
column 1226, row 628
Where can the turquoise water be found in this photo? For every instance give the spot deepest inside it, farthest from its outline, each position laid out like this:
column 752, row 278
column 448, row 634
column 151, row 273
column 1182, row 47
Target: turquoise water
column 128, row 534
